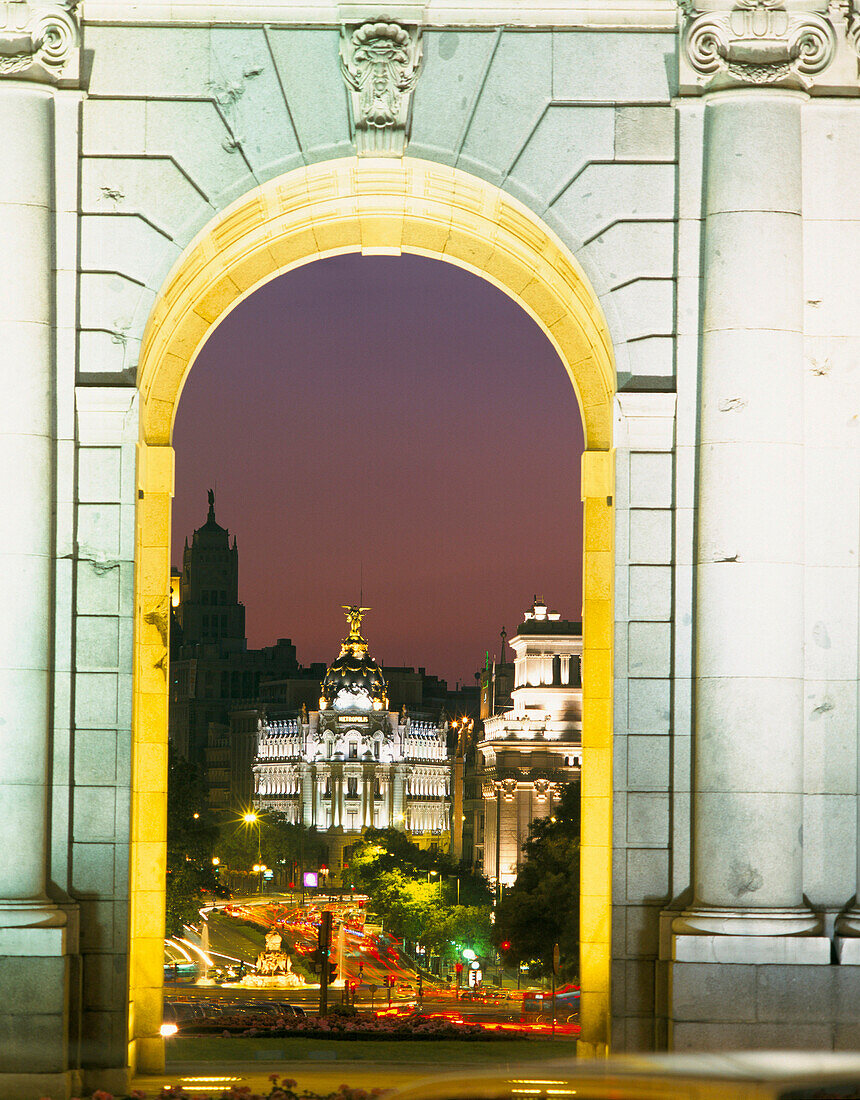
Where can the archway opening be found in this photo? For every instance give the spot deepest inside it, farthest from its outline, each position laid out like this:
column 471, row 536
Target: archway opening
column 393, row 426
column 371, row 207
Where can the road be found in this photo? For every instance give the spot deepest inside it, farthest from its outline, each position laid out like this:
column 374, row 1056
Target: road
column 370, row 960
column 235, row 935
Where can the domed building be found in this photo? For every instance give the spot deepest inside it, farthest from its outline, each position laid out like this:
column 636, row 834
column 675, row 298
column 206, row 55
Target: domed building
column 354, row 764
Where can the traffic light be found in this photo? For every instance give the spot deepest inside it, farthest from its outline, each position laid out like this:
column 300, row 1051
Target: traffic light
column 458, row 968
column 317, row 959
column 505, row 945
column 324, row 933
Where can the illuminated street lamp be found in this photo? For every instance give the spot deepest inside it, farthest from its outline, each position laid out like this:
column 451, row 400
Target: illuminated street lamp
column 253, row 818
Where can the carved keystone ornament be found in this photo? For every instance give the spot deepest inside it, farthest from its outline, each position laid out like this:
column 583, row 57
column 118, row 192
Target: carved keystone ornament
column 380, row 62
column 757, row 42
column 39, row 42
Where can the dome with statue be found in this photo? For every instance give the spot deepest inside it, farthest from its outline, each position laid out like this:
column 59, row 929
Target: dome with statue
column 354, row 681
column 353, row 764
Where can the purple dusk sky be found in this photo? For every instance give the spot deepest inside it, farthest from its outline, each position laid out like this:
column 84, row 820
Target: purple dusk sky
column 395, row 417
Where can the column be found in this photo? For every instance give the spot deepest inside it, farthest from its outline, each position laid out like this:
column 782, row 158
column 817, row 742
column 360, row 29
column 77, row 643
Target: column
column 458, row 777
column 307, row 790
column 748, row 778
column 398, row 800
column 388, row 816
column 35, row 941
column 848, row 924
column 26, row 499
column 337, row 800
column 491, row 821
column 367, row 799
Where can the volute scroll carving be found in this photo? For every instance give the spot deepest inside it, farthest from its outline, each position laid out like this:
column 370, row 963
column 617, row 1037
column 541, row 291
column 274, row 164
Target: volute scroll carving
column 40, row 42
column 380, row 61
column 756, row 42
column 852, row 31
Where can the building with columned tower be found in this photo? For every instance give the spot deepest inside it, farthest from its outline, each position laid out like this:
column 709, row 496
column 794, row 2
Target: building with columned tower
column 526, row 754
column 354, row 764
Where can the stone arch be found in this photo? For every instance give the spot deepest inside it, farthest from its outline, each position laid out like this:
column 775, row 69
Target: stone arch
column 372, row 206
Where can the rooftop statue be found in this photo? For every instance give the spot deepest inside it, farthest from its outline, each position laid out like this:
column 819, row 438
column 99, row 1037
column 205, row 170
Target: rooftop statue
column 354, row 616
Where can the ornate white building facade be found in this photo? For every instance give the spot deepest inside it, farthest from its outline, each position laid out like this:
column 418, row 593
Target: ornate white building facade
column 353, row 764
column 526, row 754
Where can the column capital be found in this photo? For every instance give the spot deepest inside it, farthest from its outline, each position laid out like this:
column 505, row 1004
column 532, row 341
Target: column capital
column 852, row 25
column 40, row 42
column 800, row 44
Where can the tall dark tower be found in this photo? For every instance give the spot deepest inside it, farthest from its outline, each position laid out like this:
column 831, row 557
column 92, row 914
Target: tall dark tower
column 209, row 611
column 212, row 670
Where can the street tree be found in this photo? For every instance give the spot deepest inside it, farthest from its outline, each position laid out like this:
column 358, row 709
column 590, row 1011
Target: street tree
column 415, row 892
column 448, row 931
column 383, row 850
column 270, row 839
column 191, row 834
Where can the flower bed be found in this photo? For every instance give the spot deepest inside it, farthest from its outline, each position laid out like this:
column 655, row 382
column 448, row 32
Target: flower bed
column 345, row 1027
column 281, row 1089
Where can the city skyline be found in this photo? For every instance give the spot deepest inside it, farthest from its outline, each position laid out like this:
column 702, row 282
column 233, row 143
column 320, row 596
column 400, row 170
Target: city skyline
column 418, row 480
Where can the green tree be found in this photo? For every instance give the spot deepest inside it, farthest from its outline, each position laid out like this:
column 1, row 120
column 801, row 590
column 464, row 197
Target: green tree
column 404, row 904
column 414, row 891
column 191, row 836
column 448, row 931
column 383, row 850
column 542, row 907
